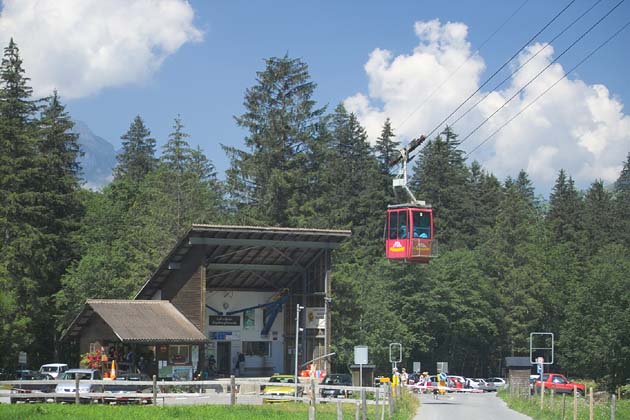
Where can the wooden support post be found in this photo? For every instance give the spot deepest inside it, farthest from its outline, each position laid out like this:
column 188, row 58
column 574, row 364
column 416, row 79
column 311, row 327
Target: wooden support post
column 377, row 397
column 575, row 403
column 613, row 404
column 542, row 394
column 233, row 390
column 390, row 399
column 553, row 392
column 77, row 400
column 591, row 413
column 155, row 390
column 339, row 411
column 357, row 411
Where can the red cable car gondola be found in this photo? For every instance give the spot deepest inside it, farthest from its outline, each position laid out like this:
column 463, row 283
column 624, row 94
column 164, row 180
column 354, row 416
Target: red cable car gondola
column 409, row 232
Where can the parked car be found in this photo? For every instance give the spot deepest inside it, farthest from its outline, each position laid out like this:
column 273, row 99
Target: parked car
column 559, row 383
column 498, row 382
column 30, row 382
column 68, row 383
column 285, row 388
column 485, row 386
column 336, row 379
column 53, row 369
column 123, row 389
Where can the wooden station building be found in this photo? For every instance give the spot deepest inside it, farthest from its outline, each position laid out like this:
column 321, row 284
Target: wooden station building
column 221, row 292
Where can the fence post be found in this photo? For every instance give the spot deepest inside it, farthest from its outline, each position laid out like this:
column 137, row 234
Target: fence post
column 613, row 403
column 339, row 411
column 77, row 400
column 390, row 399
column 155, row 390
column 364, row 403
column 233, row 390
column 311, row 408
column 542, row 394
column 564, row 404
column 377, row 397
column 383, row 405
column 590, row 404
column 553, row 393
column 574, row 402
column 357, row 411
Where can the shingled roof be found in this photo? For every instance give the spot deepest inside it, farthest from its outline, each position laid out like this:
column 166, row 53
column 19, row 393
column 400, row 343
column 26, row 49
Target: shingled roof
column 138, row 321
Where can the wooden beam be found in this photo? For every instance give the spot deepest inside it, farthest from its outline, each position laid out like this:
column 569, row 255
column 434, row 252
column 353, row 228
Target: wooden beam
column 270, row 243
column 256, row 267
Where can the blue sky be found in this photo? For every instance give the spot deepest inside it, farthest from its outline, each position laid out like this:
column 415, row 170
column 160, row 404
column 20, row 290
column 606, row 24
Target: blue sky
column 219, row 46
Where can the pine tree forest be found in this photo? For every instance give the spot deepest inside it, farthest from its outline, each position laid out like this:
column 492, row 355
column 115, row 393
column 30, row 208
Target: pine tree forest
column 510, row 262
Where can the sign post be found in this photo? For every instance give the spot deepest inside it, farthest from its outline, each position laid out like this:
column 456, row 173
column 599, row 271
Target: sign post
column 360, row 358
column 22, row 358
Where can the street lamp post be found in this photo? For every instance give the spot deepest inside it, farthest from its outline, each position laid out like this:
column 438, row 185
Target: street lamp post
column 298, row 308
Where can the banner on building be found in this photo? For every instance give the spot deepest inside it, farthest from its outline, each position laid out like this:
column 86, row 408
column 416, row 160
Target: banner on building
column 225, row 321
column 315, row 318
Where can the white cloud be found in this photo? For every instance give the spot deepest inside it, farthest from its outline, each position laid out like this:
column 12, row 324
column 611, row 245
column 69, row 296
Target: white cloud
column 82, row 46
column 579, row 127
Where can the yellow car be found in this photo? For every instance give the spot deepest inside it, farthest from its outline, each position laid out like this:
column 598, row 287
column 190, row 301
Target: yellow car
column 285, row 388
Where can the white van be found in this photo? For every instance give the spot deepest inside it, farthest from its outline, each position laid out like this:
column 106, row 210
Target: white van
column 53, row 369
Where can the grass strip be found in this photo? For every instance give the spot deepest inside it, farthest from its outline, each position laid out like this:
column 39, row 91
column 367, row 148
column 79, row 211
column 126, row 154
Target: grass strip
column 531, row 407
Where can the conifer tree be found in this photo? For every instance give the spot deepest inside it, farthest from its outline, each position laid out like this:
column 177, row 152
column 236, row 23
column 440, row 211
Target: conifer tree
column 598, row 217
column 442, row 179
column 386, row 147
column 137, row 157
column 565, row 210
column 281, row 120
column 622, row 205
column 22, row 213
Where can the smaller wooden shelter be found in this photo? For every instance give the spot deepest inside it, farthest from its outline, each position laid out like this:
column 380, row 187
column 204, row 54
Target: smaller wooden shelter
column 518, row 371
column 136, row 333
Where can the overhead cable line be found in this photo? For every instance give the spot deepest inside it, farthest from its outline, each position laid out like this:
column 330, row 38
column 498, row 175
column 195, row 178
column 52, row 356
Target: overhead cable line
column 525, row 63
column 424, row 102
column 541, row 72
column 502, row 67
column 549, row 88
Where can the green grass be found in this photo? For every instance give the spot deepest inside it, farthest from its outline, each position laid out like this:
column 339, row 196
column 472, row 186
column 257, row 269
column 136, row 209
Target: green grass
column 405, row 410
column 531, row 407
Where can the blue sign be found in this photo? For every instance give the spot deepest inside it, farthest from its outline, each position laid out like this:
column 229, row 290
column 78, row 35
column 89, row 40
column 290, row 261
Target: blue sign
column 220, row 335
column 540, row 368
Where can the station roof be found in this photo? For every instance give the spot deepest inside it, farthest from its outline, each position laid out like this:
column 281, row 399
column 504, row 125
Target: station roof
column 248, row 257
column 138, row 321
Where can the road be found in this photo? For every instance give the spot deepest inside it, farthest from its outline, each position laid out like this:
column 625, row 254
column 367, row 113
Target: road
column 485, row 406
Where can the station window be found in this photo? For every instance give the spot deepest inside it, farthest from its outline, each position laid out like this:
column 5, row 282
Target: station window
column 179, row 354
column 257, row 348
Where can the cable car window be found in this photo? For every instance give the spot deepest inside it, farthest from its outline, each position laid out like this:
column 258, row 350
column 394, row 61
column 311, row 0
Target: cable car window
column 421, row 225
column 402, row 225
column 393, row 224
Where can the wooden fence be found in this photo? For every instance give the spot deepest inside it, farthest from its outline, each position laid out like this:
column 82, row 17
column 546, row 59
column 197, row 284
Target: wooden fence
column 228, row 392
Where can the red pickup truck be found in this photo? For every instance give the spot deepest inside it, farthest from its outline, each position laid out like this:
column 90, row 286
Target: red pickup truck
column 559, row 383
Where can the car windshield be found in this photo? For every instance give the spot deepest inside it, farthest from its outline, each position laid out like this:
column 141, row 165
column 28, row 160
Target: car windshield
column 49, row 369
column 281, row 380
column 334, row 380
column 80, row 375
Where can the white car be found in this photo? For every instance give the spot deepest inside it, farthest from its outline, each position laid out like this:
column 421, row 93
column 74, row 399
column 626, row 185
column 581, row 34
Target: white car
column 53, row 369
column 68, row 383
column 498, row 382
column 473, row 383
